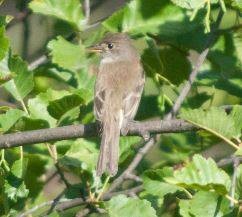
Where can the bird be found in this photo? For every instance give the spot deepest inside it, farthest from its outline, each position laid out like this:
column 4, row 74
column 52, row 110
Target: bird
column 117, row 93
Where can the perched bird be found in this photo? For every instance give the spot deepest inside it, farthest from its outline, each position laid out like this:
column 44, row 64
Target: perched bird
column 118, row 89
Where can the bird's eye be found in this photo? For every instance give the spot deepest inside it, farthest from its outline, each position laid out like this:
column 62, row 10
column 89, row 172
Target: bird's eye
column 110, row 46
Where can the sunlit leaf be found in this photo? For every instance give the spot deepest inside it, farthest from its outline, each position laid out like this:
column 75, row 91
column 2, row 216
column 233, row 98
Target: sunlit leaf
column 204, row 204
column 67, row 10
column 8, row 119
column 121, row 206
column 82, row 154
column 66, row 54
column 143, row 16
column 202, row 174
column 215, row 120
column 22, row 82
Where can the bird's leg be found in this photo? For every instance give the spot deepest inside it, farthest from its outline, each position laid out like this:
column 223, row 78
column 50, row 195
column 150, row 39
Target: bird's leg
column 126, row 127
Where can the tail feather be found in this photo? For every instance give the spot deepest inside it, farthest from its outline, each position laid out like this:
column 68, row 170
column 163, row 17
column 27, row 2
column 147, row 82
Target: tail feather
column 109, row 151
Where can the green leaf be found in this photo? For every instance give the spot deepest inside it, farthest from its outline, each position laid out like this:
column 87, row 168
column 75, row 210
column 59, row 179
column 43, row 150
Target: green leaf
column 4, row 43
column 160, row 189
column 189, row 4
column 14, row 185
column 8, row 119
column 61, row 106
column 202, row 174
column 22, row 82
column 237, row 117
column 38, row 105
column 237, row 4
column 238, row 152
column 66, row 54
column 67, row 10
column 121, row 206
column 143, row 16
column 82, row 154
column 238, row 186
column 192, row 4
column 215, row 120
column 166, row 62
column 205, row 204
column 26, row 123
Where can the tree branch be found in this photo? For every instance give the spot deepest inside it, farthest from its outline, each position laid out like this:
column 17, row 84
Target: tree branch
column 89, row 130
column 65, row 204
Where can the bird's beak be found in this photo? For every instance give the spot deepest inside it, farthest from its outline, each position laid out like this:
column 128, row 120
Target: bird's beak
column 95, row 49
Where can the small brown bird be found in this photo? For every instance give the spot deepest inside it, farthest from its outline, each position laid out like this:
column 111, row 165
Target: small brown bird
column 118, row 89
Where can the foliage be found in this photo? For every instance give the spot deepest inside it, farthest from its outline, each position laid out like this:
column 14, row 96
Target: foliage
column 177, row 180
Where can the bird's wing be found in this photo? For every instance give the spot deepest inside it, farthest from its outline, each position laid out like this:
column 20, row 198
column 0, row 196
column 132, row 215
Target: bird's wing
column 132, row 100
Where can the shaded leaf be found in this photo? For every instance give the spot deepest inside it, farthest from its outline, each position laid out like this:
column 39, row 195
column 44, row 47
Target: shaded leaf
column 59, row 107
column 167, row 62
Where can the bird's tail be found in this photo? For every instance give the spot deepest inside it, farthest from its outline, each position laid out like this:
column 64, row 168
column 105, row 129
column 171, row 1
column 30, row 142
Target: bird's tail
column 109, row 151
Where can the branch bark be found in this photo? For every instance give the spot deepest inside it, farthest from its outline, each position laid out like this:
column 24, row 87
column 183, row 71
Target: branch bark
column 89, row 130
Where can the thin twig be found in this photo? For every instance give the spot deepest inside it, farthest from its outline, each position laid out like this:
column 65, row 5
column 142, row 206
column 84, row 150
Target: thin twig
column 64, row 204
column 236, row 163
column 132, row 166
column 87, row 10
column 42, row 59
column 228, row 161
column 187, row 87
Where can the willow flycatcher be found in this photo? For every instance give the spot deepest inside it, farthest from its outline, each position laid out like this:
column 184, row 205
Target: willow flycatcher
column 118, row 89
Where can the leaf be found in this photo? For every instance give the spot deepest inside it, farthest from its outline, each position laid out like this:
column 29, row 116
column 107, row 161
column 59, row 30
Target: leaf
column 215, row 120
column 59, row 107
column 4, row 43
column 67, row 10
column 143, row 16
column 14, row 185
column 8, row 119
column 205, row 204
column 192, row 4
column 202, row 174
column 38, row 105
column 238, row 186
column 237, row 4
column 160, row 189
column 66, row 54
column 121, row 206
column 26, row 123
column 82, row 154
column 189, row 4
column 237, row 117
column 166, row 62
column 22, row 82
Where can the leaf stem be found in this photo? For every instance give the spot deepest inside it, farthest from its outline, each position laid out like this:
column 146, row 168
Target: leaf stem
column 103, row 188
column 231, row 199
column 24, row 107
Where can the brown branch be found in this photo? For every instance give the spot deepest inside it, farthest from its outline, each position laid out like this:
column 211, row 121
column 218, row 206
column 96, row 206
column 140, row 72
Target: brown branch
column 89, row 130
column 62, row 205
